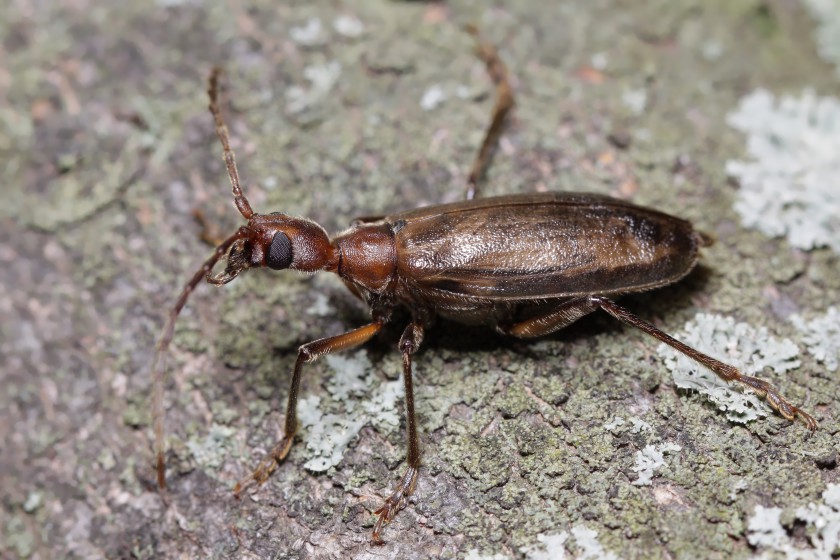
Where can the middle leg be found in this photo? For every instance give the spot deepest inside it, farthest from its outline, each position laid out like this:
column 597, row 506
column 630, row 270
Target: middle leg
column 409, row 343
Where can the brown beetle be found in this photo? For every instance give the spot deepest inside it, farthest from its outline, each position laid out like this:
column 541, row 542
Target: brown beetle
column 526, row 265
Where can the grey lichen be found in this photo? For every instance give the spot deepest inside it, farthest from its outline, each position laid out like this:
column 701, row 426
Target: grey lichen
column 548, row 547
column 327, row 435
column 789, row 186
column 827, row 34
column 584, row 545
column 211, row 449
column 766, row 529
column 651, row 458
column 365, row 400
column 322, row 78
column 821, row 336
column 751, row 350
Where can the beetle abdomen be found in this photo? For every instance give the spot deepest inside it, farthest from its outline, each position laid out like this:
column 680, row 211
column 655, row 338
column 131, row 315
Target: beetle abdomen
column 542, row 246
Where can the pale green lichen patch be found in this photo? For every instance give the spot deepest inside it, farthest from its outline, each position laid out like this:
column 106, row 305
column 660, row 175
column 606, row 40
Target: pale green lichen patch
column 548, row 547
column 788, row 187
column 364, row 400
column 769, row 529
column 327, row 435
column 474, row 554
column 827, row 33
column 583, row 545
column 349, row 26
column 322, row 78
column 751, row 350
column 821, row 336
column 588, row 546
column 212, row 449
column 650, row 459
column 34, row 500
column 309, row 34
column 618, row 425
column 19, row 539
column 352, row 377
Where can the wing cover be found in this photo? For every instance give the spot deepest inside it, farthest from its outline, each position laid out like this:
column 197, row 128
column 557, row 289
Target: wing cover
column 542, row 246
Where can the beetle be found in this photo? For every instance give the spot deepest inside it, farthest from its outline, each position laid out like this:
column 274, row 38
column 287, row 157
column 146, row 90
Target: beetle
column 526, row 265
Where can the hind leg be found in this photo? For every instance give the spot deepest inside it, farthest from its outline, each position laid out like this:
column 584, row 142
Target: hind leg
column 504, row 103
column 572, row 310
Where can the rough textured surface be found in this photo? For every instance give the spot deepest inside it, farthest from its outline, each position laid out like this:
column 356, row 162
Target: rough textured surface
column 107, row 147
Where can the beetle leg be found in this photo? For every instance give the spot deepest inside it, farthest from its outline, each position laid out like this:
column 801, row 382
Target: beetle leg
column 572, row 310
column 504, row 103
column 724, row 371
column 307, row 353
column 409, row 343
column 561, row 316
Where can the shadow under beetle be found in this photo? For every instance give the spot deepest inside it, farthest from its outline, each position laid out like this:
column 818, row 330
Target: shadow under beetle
column 526, row 265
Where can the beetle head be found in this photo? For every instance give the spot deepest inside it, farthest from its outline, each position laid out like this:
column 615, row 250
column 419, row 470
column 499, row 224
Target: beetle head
column 276, row 241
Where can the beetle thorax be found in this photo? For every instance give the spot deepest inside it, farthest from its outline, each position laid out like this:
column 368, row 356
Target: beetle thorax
column 367, row 256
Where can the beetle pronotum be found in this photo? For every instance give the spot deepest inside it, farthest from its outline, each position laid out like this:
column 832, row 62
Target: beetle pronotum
column 526, row 265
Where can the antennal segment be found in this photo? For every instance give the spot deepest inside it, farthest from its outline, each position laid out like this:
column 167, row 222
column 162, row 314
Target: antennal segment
column 159, row 365
column 239, row 199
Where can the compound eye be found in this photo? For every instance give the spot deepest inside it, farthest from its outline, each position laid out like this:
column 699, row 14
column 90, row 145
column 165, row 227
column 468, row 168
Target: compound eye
column 280, row 252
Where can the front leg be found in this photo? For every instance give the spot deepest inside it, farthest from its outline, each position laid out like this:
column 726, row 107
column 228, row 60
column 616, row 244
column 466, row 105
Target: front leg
column 409, row 343
column 307, row 353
